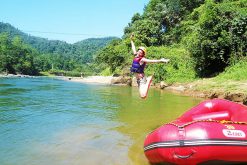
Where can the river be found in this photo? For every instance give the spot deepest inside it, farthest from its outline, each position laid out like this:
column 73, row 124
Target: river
column 56, row 122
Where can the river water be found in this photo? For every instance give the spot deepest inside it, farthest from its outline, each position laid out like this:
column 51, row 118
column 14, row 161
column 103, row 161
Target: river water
column 47, row 121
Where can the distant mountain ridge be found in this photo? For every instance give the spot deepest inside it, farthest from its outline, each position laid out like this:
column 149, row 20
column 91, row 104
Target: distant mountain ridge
column 83, row 50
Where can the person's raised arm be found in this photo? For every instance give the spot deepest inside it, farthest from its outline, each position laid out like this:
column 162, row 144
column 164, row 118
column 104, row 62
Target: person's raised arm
column 132, row 44
column 155, row 61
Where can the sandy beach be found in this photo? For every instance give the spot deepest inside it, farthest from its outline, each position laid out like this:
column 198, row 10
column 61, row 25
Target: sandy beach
column 91, row 79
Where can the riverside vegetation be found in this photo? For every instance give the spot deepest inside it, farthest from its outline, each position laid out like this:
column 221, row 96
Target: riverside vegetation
column 205, row 40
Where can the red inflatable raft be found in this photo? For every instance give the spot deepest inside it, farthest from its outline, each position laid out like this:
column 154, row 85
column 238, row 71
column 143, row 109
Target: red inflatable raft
column 213, row 132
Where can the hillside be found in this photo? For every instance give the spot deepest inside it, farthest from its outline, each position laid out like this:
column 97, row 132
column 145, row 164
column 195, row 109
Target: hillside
column 87, row 49
column 205, row 40
column 201, row 37
column 26, row 54
column 83, row 50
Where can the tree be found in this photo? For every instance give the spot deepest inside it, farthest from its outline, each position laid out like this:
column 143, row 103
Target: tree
column 160, row 18
column 114, row 55
column 8, row 59
column 220, row 37
column 16, row 57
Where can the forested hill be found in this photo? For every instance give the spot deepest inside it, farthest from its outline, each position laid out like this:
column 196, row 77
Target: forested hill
column 89, row 47
column 85, row 48
column 26, row 54
column 201, row 37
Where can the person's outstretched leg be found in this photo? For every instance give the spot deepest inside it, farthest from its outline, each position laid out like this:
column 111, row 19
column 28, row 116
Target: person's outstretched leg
column 144, row 86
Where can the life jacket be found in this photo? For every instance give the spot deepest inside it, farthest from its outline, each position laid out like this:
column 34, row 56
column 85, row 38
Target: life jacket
column 136, row 66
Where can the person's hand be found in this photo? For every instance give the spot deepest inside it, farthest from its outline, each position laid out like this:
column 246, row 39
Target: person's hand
column 164, row 60
column 132, row 36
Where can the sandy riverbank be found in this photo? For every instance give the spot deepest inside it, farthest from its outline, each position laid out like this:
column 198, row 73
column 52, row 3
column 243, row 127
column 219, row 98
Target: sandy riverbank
column 202, row 88
column 107, row 80
column 14, row 75
column 91, row 79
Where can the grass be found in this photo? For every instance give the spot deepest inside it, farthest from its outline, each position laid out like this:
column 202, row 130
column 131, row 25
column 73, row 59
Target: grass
column 232, row 80
column 220, row 85
column 236, row 72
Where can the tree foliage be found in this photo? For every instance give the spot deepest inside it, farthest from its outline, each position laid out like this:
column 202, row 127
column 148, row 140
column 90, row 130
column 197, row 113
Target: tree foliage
column 160, row 19
column 212, row 31
column 50, row 54
column 210, row 34
column 16, row 57
column 113, row 55
column 219, row 36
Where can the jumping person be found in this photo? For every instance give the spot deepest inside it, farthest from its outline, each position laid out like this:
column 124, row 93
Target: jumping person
column 138, row 66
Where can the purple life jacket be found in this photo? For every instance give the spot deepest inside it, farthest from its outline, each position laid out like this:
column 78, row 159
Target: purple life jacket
column 136, row 66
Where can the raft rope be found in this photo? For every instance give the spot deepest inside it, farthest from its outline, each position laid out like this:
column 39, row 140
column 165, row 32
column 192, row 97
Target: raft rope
column 197, row 121
column 201, row 142
column 209, row 120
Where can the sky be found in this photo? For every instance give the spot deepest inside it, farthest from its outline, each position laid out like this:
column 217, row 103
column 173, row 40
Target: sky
column 70, row 20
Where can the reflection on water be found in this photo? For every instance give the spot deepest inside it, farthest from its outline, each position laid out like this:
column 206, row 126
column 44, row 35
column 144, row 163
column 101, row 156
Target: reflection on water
column 49, row 121
column 89, row 145
column 10, row 91
column 5, row 85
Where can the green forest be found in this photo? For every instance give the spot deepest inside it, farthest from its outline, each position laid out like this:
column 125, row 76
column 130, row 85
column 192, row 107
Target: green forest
column 24, row 54
column 202, row 38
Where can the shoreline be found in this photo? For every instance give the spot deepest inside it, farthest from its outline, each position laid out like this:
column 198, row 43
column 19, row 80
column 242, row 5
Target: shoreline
column 90, row 79
column 194, row 89
column 14, row 75
column 103, row 80
column 191, row 89
column 200, row 88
